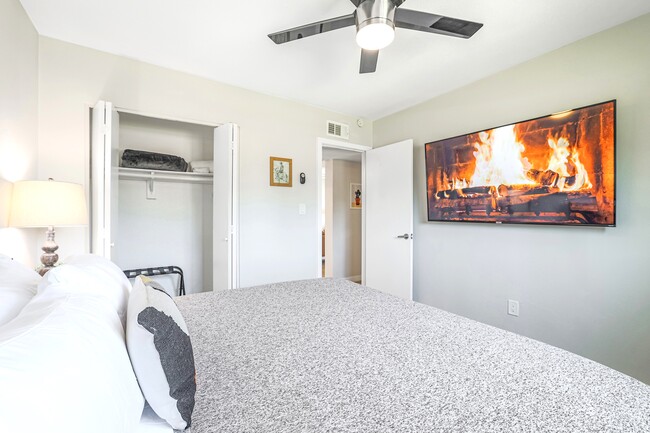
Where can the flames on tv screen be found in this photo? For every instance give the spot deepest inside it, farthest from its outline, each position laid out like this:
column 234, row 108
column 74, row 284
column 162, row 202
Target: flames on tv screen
column 557, row 169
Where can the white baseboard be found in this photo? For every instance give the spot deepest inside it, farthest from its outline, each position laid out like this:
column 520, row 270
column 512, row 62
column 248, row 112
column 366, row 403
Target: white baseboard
column 353, row 278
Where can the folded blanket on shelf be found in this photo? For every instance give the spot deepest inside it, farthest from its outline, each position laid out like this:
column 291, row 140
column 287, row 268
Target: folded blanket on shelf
column 152, row 161
column 202, row 166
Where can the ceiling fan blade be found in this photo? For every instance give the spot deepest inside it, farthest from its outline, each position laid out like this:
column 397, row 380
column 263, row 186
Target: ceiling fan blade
column 424, row 22
column 312, row 29
column 368, row 61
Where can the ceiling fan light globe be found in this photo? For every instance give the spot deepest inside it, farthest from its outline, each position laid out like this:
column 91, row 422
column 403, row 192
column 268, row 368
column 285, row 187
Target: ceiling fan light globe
column 375, row 36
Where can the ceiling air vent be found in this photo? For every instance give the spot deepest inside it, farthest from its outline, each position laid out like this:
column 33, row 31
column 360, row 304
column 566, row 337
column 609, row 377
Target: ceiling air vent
column 337, row 129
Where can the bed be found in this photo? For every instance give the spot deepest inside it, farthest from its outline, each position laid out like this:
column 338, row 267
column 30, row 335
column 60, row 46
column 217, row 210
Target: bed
column 333, row 356
column 307, row 356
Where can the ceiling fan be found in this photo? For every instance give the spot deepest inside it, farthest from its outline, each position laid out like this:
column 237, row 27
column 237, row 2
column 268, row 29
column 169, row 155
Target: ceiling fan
column 376, row 21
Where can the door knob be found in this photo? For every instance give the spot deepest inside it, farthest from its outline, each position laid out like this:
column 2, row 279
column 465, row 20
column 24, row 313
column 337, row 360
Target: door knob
column 405, row 236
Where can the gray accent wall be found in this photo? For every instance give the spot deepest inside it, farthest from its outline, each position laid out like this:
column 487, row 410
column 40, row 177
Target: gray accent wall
column 586, row 290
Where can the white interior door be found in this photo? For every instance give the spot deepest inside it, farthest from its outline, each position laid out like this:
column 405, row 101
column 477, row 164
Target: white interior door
column 104, row 178
column 225, row 242
column 389, row 219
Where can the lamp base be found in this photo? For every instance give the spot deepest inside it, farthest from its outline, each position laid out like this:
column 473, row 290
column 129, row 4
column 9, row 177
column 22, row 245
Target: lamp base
column 49, row 256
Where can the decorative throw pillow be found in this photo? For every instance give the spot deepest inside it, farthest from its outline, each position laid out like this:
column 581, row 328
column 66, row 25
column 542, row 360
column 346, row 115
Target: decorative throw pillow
column 161, row 353
column 17, row 287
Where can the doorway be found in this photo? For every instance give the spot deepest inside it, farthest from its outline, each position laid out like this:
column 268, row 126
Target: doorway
column 341, row 216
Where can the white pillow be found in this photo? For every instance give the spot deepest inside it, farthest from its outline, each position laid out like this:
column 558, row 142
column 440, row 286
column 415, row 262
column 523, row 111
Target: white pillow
column 93, row 275
column 64, row 367
column 161, row 353
column 17, row 286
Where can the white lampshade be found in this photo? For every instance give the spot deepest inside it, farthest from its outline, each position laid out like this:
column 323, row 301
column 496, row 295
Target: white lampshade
column 375, row 36
column 36, row 203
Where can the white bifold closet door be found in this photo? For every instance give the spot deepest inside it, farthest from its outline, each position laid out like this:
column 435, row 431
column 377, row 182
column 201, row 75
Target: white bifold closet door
column 225, row 214
column 104, row 155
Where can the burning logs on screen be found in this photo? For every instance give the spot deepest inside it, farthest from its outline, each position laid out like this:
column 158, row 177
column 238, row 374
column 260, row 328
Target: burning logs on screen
column 552, row 169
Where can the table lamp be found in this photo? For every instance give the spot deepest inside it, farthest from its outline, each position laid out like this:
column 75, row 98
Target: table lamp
column 36, row 203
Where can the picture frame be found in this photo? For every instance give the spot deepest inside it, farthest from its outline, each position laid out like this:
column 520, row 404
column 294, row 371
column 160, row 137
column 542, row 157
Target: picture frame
column 280, row 171
column 356, row 196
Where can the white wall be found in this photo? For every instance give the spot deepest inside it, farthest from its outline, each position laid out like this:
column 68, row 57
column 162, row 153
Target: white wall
column 346, row 222
column 168, row 231
column 583, row 289
column 276, row 242
column 18, row 117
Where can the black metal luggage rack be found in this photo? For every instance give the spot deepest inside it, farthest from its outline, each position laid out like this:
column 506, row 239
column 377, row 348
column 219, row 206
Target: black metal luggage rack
column 162, row 270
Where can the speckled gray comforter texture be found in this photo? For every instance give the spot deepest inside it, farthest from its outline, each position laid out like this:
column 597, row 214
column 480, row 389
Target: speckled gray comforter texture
column 333, row 356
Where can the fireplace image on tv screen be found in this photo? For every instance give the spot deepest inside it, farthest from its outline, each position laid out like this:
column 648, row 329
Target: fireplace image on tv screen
column 557, row 169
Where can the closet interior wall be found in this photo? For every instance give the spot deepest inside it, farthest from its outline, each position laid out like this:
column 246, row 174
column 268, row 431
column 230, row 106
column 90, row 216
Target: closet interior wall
column 174, row 225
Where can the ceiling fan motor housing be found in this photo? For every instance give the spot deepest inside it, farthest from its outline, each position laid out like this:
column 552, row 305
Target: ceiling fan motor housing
column 375, row 11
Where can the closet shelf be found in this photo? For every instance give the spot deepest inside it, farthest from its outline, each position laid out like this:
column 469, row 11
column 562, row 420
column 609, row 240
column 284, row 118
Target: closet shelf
column 164, row 176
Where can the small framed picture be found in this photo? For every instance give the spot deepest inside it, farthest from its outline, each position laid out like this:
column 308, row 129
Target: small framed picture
column 356, row 197
column 280, row 171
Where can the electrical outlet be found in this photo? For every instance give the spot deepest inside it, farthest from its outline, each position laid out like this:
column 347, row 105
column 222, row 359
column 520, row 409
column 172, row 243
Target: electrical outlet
column 302, row 209
column 513, row 307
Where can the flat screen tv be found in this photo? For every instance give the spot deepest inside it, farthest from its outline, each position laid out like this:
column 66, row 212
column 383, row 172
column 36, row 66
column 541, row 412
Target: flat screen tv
column 556, row 169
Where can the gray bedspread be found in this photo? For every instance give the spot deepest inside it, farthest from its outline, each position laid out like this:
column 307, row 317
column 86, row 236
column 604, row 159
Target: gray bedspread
column 333, row 356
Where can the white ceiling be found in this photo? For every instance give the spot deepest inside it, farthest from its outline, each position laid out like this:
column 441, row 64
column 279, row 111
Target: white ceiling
column 226, row 41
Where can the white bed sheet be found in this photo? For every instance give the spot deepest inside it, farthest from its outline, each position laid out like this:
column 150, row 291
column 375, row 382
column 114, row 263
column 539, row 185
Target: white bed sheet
column 152, row 423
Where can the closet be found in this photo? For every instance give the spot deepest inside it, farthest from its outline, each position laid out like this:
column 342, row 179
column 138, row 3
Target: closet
column 144, row 218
